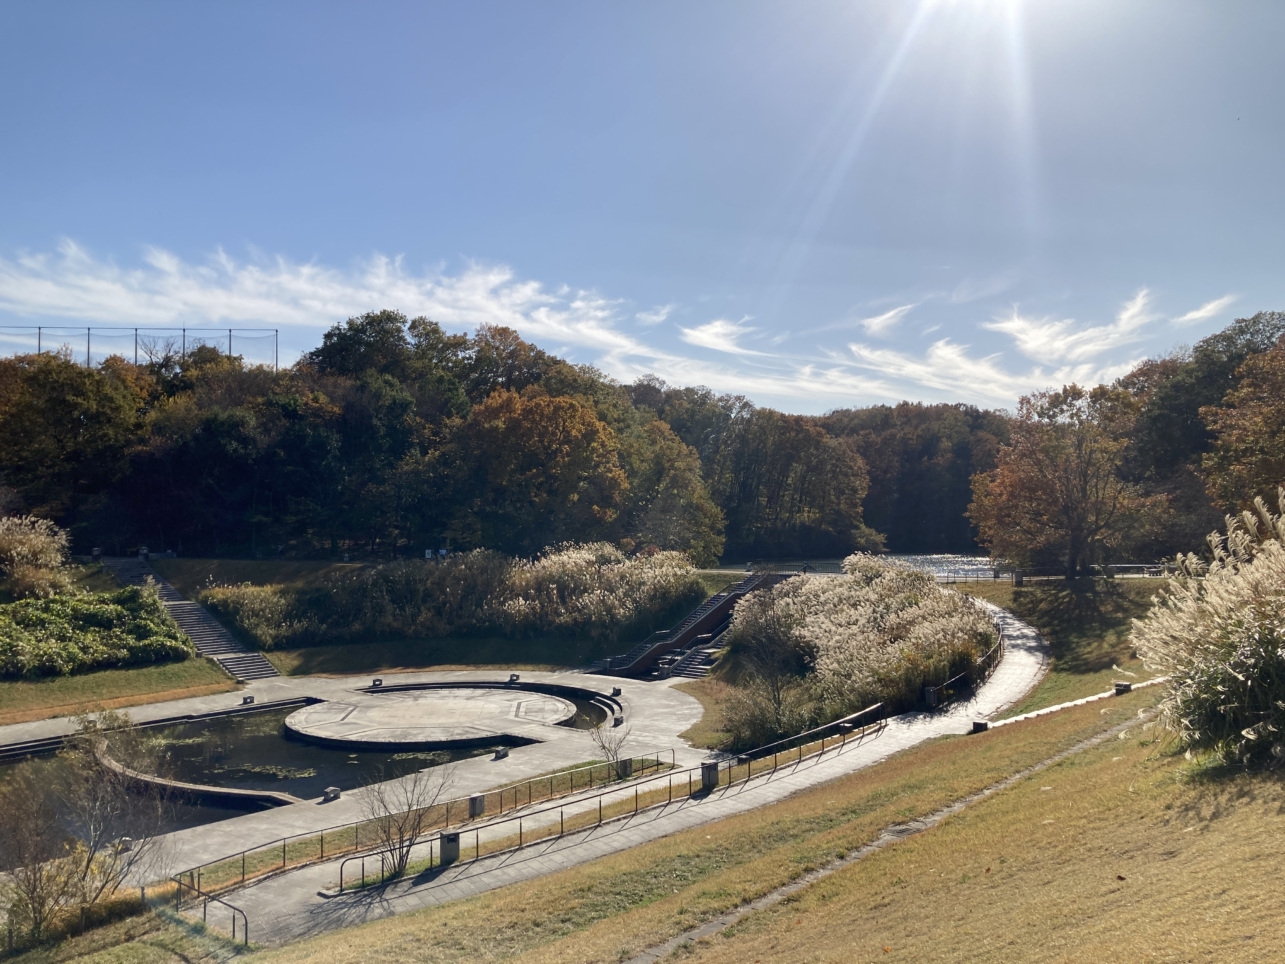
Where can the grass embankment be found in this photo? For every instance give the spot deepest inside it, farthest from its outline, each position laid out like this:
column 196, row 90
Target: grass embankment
column 610, row 908
column 545, row 652
column 1087, row 626
column 22, row 701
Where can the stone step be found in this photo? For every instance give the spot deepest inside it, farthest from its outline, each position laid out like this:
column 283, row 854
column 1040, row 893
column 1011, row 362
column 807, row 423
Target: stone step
column 209, row 636
column 248, row 666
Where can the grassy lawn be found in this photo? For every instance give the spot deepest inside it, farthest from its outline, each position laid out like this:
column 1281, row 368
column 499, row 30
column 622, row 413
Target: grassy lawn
column 711, row 693
column 1087, row 626
column 22, row 701
column 1122, row 853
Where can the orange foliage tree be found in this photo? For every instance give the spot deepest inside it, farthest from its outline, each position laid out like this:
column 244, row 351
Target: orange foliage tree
column 1248, row 458
column 533, row 469
column 1056, row 493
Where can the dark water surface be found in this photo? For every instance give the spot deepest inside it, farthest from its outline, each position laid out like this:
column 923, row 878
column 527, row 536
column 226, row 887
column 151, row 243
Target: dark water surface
column 251, row 751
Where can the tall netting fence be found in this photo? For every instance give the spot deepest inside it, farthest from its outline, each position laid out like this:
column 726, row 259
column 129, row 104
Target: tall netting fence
column 89, row 345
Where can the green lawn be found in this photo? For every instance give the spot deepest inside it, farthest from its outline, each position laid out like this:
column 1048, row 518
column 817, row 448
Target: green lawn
column 24, row 700
column 1087, row 625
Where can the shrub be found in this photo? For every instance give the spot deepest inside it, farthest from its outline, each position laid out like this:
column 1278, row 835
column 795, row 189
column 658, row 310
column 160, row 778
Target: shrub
column 583, row 590
column 32, row 551
column 879, row 633
column 260, row 612
column 1218, row 630
column 76, row 633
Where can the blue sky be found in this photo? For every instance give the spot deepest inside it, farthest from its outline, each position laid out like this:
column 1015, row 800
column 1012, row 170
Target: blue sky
column 816, row 204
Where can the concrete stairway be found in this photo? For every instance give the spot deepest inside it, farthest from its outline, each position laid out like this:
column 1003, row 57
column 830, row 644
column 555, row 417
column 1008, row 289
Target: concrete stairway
column 207, row 633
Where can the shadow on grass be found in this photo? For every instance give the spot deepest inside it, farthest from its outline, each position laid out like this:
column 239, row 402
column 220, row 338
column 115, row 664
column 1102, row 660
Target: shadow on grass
column 1086, row 622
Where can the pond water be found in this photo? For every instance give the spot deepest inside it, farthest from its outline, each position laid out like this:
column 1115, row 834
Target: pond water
column 946, row 564
column 251, row 751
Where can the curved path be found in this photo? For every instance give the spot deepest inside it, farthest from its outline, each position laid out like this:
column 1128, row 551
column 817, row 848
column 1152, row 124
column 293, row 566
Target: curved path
column 288, row 907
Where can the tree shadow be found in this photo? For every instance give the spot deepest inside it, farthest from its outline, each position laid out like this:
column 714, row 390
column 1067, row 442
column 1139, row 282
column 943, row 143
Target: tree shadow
column 1086, row 622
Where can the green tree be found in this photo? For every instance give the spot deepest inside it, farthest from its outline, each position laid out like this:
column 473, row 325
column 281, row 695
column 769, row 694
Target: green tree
column 671, row 508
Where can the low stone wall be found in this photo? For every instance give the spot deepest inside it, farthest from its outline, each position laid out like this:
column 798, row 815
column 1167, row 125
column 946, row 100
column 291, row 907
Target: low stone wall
column 196, row 792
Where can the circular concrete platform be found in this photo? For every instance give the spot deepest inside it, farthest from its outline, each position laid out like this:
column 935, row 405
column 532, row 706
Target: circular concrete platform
column 425, row 719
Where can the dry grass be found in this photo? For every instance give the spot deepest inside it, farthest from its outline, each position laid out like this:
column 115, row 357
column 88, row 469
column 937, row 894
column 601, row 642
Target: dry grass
column 22, row 701
column 708, row 731
column 190, row 576
column 1087, row 625
column 630, row 900
column 1119, row 854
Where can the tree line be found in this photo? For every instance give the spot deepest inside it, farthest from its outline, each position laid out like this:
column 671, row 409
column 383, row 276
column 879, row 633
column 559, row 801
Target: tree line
column 394, row 436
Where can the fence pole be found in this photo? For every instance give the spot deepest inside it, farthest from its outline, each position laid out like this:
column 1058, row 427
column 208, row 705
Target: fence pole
column 136, row 365
column 562, row 823
column 283, row 853
column 243, row 867
column 600, row 811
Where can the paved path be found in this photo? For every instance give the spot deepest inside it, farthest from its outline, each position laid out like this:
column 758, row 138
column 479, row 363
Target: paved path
column 655, row 712
column 288, row 907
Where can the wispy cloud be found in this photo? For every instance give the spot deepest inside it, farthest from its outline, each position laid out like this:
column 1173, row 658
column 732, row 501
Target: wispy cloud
column 880, row 324
column 656, row 315
column 71, row 285
column 1046, row 340
column 949, row 373
column 1206, row 311
column 719, row 335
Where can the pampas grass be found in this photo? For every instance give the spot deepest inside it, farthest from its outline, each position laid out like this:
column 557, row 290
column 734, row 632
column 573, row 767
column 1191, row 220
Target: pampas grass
column 1218, row 630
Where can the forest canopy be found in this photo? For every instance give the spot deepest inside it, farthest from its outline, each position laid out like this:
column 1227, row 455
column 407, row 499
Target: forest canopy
column 393, row 437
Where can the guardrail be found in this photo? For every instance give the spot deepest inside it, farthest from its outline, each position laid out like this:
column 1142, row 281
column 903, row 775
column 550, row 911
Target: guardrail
column 934, row 696
column 737, row 770
column 205, row 907
column 301, row 849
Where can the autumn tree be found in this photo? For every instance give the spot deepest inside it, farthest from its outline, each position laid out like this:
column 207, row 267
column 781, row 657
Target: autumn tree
column 1248, row 457
column 670, row 505
column 65, row 431
column 788, row 487
column 534, row 471
column 1056, row 493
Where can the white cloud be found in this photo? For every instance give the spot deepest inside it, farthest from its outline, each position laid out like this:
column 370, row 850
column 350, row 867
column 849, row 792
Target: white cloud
column 1046, row 340
column 880, row 324
column 951, row 374
column 1206, row 311
column 162, row 289
column 656, row 315
column 719, row 335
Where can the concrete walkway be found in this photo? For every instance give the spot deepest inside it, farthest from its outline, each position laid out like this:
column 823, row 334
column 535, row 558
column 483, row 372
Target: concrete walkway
column 655, row 712
column 288, row 907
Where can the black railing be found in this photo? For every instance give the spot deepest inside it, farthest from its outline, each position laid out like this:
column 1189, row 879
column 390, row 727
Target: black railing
column 192, row 884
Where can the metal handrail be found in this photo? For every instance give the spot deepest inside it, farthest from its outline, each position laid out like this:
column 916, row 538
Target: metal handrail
column 205, row 907
column 284, row 842
column 692, row 773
